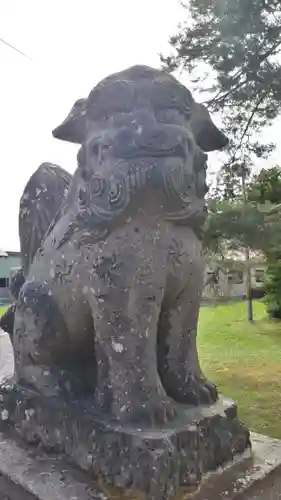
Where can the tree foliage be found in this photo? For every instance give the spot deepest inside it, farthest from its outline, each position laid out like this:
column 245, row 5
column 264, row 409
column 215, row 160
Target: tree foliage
column 232, row 51
column 266, row 186
column 237, row 43
column 239, row 40
column 233, row 225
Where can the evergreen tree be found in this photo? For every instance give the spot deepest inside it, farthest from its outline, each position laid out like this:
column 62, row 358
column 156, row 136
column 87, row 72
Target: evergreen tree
column 236, row 43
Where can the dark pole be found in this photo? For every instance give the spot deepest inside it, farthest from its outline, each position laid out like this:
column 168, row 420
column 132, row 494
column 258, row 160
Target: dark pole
column 249, row 299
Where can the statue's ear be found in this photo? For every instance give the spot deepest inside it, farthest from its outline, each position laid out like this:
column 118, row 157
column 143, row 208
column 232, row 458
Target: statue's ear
column 73, row 128
column 207, row 135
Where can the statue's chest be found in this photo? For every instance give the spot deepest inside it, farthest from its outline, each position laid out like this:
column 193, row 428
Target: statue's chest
column 183, row 252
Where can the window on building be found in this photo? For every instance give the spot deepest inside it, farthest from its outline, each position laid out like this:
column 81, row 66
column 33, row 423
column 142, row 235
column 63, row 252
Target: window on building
column 4, row 282
column 212, row 278
column 259, row 275
column 235, row 277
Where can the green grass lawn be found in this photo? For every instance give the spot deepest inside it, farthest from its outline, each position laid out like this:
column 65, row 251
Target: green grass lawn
column 244, row 360
column 2, row 310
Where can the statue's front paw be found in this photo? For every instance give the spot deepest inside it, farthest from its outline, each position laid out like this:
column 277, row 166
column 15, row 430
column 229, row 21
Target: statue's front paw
column 196, row 391
column 156, row 411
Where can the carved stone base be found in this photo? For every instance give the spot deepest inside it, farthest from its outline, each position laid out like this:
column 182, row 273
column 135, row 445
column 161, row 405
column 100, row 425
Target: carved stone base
column 157, row 463
column 160, row 462
column 29, row 474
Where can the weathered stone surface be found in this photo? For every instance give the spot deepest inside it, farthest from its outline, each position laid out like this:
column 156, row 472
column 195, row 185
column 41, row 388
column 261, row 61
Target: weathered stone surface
column 105, row 323
column 207, row 135
column 255, row 478
column 155, row 461
column 119, row 270
column 29, row 474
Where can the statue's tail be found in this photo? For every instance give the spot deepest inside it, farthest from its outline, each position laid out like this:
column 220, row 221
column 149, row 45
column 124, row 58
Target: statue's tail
column 41, row 200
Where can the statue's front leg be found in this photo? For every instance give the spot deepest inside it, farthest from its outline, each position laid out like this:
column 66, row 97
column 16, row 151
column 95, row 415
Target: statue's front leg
column 129, row 288
column 178, row 362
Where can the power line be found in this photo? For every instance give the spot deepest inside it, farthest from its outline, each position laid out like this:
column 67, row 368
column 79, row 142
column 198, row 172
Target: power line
column 14, row 48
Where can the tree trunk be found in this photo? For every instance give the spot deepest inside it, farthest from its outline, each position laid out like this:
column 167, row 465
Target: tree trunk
column 250, row 315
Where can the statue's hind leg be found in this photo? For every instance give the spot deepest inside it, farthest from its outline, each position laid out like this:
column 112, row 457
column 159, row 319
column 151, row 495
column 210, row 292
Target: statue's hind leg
column 40, row 339
column 178, row 363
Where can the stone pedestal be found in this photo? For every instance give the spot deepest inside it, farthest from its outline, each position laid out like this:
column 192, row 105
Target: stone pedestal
column 27, row 474
column 155, row 463
column 161, row 463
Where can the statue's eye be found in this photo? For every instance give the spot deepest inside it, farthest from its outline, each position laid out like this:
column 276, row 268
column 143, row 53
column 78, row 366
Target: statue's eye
column 180, row 151
column 171, row 116
column 95, row 149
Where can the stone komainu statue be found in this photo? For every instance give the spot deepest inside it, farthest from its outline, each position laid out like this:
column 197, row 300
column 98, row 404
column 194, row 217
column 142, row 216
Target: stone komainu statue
column 113, row 282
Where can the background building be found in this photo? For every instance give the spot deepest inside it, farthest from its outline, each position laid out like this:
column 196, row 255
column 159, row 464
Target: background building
column 226, row 278
column 10, row 262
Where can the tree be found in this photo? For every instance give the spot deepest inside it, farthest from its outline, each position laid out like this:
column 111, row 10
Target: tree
column 232, row 225
column 237, row 43
column 266, row 187
column 240, row 41
column 255, row 225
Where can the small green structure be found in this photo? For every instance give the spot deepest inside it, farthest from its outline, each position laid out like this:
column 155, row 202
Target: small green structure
column 10, row 262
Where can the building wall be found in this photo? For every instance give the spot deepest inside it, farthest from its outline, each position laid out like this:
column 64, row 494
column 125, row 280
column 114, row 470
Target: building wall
column 8, row 266
column 232, row 284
